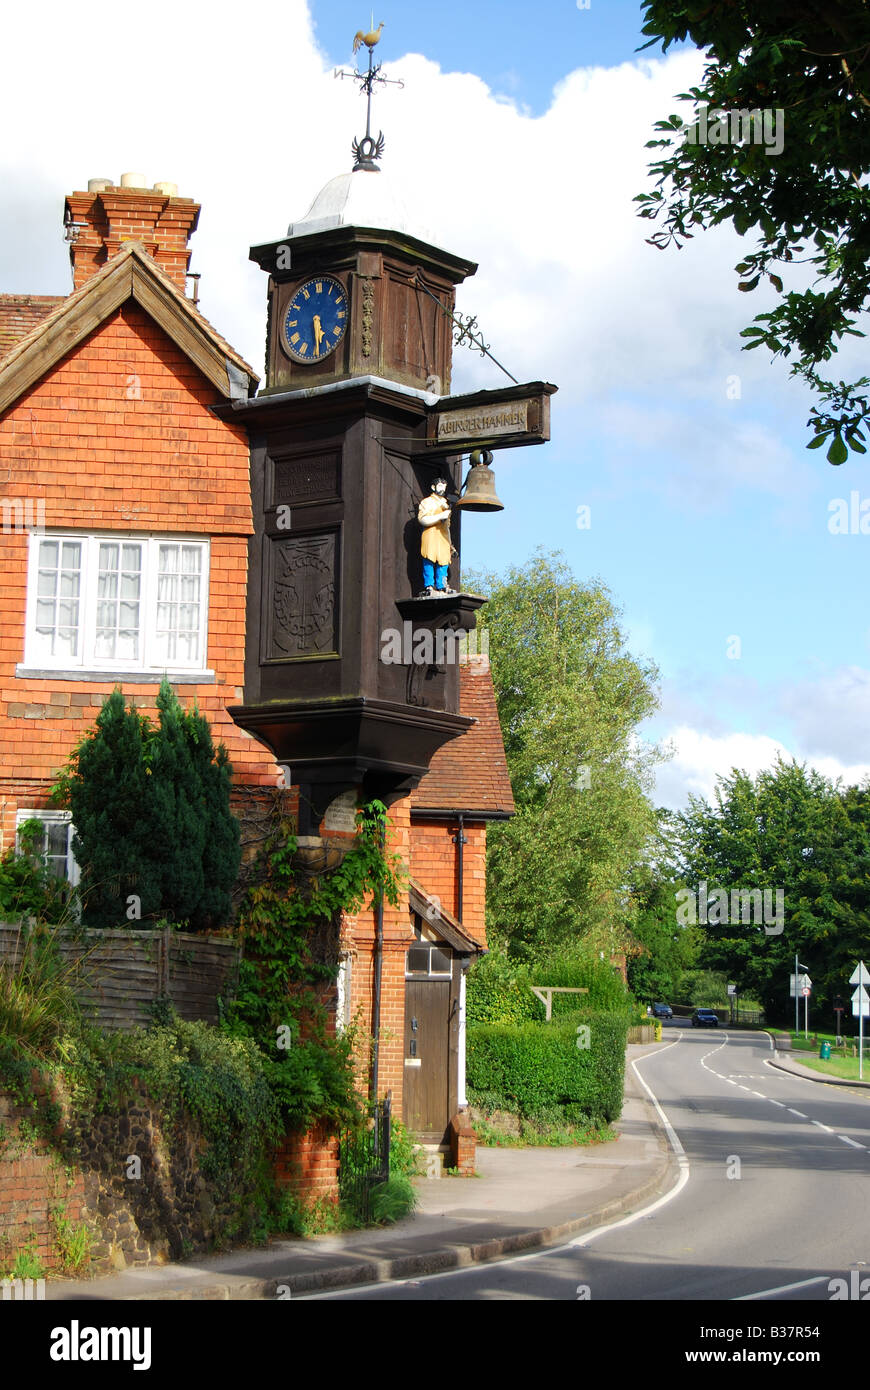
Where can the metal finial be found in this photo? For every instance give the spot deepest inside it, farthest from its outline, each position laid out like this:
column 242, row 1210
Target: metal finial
column 367, row 150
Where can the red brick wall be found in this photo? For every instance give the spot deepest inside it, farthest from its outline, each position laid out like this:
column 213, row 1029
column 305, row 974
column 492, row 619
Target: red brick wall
column 119, row 436
column 32, row 1181
column 308, row 1163
column 434, row 865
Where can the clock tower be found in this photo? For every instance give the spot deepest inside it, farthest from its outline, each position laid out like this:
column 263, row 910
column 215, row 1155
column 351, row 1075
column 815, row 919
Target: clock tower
column 354, row 580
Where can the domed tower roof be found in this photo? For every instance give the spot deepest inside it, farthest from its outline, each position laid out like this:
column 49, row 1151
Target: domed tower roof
column 364, row 198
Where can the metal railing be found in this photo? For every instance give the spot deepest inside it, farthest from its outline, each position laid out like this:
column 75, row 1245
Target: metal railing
column 364, row 1160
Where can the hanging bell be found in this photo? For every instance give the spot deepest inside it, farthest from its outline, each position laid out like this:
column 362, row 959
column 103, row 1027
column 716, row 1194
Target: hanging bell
column 479, row 493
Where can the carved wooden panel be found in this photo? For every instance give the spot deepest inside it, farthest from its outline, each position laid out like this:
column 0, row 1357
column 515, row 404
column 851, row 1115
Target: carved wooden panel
column 302, row 602
column 312, row 477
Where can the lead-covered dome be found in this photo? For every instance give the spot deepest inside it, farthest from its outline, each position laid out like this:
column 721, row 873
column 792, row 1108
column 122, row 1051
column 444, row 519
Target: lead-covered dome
column 364, row 198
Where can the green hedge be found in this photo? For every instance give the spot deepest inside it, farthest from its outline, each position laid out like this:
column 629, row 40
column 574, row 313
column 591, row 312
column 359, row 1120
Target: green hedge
column 498, row 988
column 537, row 1070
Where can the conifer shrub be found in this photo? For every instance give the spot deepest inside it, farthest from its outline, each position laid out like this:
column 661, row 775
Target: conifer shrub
column 154, row 835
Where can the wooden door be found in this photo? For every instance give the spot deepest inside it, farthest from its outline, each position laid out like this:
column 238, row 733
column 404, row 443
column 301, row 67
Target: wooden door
column 427, row 1056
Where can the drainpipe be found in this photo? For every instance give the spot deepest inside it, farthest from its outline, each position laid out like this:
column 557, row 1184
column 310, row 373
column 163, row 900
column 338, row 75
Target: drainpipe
column 459, row 840
column 376, row 991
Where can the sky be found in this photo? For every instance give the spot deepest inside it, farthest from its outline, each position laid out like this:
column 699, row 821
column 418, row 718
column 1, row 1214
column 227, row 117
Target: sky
column 518, row 141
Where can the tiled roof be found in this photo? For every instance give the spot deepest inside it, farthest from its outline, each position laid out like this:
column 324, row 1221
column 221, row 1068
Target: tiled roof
column 21, row 312
column 470, row 773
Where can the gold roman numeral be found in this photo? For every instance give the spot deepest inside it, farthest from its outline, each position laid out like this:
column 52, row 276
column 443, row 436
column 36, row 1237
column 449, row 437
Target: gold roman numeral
column 303, row 349
column 294, row 338
column 318, row 288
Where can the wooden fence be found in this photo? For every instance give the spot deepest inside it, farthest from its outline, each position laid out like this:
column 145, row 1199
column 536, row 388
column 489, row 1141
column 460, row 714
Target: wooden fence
column 122, row 973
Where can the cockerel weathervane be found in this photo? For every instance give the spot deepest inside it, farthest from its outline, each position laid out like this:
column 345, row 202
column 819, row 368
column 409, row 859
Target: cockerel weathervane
column 367, row 150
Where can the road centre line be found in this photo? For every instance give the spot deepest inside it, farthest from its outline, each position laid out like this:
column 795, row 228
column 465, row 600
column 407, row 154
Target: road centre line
column 846, row 1140
column 800, row 1114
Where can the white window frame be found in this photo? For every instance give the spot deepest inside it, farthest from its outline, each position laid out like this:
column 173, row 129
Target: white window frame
column 86, row 661
column 52, row 818
column 429, row 974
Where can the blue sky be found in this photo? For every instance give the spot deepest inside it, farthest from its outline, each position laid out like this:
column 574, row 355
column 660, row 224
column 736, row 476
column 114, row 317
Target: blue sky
column 518, row 141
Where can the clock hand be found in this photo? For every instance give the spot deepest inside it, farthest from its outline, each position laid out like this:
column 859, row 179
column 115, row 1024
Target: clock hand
column 318, row 333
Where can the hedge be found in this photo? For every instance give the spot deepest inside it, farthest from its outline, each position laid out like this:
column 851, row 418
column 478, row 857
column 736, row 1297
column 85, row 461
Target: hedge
column 498, row 988
column 538, row 1072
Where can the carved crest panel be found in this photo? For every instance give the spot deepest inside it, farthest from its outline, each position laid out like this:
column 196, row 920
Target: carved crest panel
column 303, row 606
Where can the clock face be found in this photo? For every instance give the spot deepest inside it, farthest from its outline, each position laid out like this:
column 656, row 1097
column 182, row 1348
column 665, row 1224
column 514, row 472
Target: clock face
column 316, row 319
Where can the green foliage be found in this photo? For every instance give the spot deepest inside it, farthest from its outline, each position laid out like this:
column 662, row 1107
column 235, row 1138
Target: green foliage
column 664, row 949
column 37, row 999
column 28, row 1264
column 404, row 1153
column 792, row 829
column 539, row 1073
column 570, row 698
column 151, row 812
column 73, row 1241
column 393, row 1200
column 499, row 989
column 556, row 1135
column 703, row 989
column 28, row 888
column 808, row 203
column 283, row 915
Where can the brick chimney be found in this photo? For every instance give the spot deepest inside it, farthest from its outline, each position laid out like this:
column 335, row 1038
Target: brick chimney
column 99, row 222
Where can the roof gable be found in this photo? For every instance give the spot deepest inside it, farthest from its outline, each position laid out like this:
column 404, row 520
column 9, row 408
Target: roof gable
column 130, row 274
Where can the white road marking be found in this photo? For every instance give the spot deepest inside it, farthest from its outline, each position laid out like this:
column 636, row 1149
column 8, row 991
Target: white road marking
column 826, row 1128
column 783, row 1288
column 800, row 1114
column 760, row 1096
column 846, row 1140
column 780, row 1103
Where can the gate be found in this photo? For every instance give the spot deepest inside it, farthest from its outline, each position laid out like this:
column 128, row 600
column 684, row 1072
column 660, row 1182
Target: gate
column 364, row 1160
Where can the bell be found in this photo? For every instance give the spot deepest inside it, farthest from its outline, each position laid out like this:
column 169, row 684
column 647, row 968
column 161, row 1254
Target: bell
column 479, row 495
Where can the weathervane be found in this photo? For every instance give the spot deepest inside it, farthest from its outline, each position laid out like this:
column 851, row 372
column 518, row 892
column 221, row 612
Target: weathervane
column 367, row 150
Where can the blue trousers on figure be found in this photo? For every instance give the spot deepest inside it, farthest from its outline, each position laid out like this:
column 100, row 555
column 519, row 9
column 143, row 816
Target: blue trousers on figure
column 434, row 576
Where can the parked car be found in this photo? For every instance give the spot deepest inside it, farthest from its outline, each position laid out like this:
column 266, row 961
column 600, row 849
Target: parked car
column 662, row 1011
column 705, row 1018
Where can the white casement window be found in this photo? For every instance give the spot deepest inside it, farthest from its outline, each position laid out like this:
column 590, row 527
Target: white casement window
column 56, row 847
column 116, row 603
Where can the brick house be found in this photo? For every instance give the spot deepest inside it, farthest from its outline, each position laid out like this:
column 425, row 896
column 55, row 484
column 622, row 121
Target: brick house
column 126, row 518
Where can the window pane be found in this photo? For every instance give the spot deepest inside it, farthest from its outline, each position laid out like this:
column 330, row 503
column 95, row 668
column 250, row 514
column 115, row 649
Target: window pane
column 179, row 603
column 441, row 963
column 57, row 607
column 117, row 628
column 418, row 960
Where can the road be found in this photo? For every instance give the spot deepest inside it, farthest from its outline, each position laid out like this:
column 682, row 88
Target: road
column 772, row 1201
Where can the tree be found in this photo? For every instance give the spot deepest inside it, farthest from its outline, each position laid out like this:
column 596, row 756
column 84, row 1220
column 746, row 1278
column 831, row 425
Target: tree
column 569, row 699
column 666, row 949
column 808, row 202
column 788, row 830
column 150, row 806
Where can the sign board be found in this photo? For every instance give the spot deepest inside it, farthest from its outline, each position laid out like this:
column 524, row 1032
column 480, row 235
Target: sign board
column 860, row 975
column 490, row 419
column 732, row 989
column 804, row 985
column 860, row 1002
column 806, row 993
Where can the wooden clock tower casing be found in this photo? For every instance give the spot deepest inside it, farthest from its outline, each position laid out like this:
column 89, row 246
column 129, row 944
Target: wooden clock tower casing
column 397, row 331
column 339, row 464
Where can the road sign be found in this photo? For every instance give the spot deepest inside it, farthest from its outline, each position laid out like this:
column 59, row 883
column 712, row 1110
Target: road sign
column 806, row 993
column 860, row 975
column 859, row 1009
column 803, row 984
column 732, row 989
column 860, row 1002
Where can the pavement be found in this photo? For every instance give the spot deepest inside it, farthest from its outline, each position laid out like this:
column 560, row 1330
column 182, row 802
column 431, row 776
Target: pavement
column 523, row 1199
column 788, row 1062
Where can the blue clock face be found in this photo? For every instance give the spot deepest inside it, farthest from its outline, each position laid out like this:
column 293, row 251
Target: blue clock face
column 316, row 319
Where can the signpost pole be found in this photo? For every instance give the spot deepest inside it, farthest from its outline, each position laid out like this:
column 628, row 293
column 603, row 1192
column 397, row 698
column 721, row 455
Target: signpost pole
column 797, row 1024
column 860, row 1002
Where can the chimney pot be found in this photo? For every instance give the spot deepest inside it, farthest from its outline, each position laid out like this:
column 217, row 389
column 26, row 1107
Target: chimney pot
column 97, row 185
column 133, row 181
column 169, row 190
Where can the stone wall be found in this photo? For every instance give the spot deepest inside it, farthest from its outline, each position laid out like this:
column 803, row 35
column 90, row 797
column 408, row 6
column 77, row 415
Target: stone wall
column 136, row 1185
